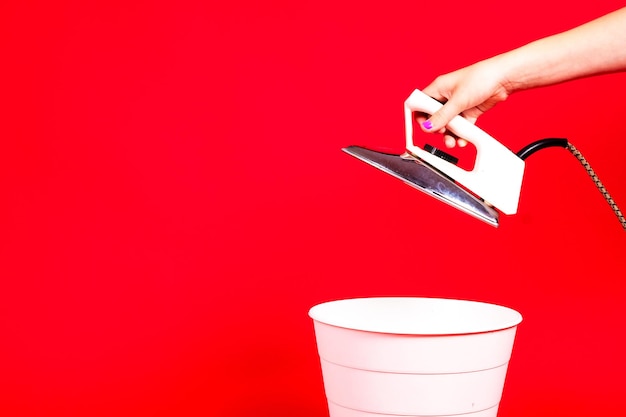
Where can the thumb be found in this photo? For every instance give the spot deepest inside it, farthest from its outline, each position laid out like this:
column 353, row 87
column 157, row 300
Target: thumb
column 442, row 117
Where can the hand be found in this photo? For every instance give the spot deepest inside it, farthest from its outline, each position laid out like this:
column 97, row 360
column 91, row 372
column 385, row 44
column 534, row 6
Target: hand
column 470, row 92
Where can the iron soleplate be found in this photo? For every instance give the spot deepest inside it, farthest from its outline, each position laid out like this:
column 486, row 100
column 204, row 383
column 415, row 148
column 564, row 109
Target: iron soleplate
column 419, row 175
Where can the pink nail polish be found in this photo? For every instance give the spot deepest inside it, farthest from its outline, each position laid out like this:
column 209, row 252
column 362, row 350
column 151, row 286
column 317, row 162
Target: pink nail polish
column 427, row 125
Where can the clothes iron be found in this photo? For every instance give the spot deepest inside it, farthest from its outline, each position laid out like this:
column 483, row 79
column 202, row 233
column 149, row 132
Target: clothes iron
column 493, row 182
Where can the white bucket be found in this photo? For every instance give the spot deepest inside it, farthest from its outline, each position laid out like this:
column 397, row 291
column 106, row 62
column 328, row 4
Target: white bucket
column 406, row 356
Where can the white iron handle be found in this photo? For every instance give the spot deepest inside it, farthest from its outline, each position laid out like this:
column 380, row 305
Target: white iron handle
column 498, row 172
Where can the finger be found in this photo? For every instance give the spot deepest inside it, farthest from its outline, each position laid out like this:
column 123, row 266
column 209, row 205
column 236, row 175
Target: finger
column 442, row 117
column 449, row 140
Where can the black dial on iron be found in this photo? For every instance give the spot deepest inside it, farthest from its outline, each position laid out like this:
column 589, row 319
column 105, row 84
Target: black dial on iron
column 441, row 154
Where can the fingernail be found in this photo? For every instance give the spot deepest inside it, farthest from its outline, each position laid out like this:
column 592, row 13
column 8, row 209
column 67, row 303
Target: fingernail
column 427, row 125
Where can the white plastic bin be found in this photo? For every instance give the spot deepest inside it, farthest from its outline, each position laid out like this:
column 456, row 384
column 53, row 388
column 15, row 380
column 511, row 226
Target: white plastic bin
column 408, row 356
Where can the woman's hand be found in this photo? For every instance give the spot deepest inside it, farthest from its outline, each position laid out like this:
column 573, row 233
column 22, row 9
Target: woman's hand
column 470, row 92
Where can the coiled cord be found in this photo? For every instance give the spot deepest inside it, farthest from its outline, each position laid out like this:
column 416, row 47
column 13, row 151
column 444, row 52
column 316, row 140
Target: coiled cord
column 563, row 143
column 598, row 183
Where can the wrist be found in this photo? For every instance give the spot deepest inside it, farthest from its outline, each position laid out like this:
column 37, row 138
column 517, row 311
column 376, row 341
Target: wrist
column 512, row 72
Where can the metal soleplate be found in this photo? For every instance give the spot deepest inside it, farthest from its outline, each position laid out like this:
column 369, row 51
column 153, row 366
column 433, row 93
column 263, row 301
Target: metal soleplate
column 421, row 176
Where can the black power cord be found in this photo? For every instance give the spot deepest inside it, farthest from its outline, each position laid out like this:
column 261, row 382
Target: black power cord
column 563, row 143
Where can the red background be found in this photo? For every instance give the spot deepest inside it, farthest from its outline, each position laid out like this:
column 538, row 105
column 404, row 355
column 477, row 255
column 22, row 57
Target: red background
column 174, row 200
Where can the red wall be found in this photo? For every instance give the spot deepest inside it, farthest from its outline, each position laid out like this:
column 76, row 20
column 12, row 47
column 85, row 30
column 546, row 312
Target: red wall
column 174, row 200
